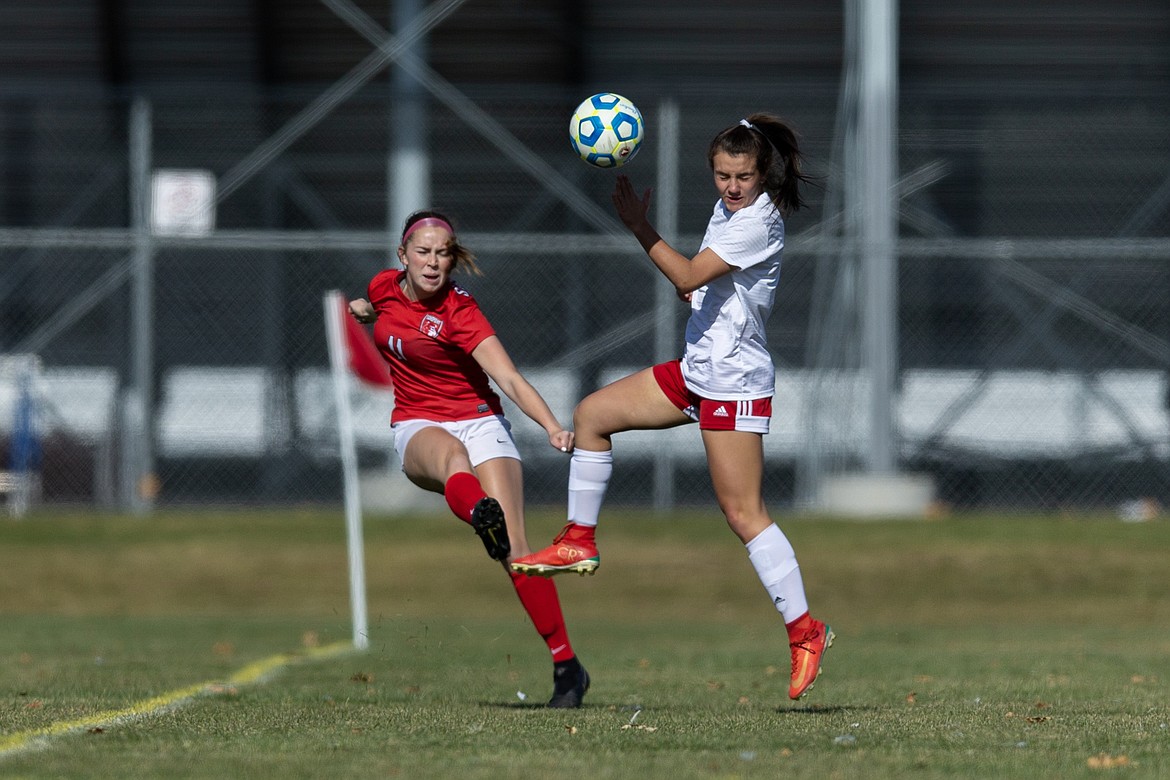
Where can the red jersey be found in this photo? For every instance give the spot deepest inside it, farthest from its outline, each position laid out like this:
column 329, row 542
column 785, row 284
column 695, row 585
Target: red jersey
column 428, row 345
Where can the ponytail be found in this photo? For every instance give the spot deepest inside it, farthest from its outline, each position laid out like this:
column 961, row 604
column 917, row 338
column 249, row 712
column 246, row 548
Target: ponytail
column 774, row 146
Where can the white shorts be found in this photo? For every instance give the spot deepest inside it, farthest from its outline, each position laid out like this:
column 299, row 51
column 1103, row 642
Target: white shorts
column 484, row 437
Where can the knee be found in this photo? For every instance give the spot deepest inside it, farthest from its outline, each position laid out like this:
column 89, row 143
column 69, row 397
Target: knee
column 585, row 417
column 745, row 520
column 457, row 461
column 734, row 515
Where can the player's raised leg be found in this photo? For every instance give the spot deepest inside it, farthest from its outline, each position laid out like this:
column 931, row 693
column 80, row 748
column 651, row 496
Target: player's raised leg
column 635, row 402
column 437, row 461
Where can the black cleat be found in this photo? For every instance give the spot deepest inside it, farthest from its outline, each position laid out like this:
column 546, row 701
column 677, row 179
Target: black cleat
column 487, row 518
column 570, row 681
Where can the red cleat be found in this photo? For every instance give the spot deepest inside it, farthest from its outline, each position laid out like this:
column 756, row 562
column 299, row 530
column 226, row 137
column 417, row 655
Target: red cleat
column 573, row 550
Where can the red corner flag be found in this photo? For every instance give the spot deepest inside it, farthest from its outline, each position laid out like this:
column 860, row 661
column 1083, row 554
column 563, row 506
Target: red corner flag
column 364, row 359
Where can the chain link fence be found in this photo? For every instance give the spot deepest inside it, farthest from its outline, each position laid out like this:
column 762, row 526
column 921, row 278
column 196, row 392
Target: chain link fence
column 145, row 368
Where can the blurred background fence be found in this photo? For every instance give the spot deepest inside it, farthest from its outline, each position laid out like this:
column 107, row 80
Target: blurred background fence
column 147, row 364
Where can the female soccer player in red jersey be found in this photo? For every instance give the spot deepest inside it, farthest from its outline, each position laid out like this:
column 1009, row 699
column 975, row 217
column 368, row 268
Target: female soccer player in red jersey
column 725, row 380
column 449, row 428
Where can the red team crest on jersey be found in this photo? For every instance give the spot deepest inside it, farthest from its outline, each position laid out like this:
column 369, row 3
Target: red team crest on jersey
column 431, row 325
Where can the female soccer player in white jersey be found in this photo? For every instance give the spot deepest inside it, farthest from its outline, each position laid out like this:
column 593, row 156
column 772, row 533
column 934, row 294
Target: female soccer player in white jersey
column 724, row 381
column 449, row 428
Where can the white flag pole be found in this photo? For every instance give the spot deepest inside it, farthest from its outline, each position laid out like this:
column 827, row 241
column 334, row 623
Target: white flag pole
column 339, row 368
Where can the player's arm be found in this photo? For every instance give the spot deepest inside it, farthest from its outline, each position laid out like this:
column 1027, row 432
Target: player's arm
column 494, row 359
column 686, row 274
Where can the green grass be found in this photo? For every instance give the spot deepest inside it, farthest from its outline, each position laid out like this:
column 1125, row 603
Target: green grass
column 970, row 647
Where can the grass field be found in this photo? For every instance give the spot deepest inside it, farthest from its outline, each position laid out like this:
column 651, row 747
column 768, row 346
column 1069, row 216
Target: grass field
column 1030, row 647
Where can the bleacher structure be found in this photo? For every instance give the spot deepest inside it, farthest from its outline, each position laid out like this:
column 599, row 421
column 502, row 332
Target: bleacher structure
column 1033, row 200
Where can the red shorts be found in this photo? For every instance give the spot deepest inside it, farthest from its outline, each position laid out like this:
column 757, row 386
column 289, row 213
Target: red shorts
column 754, row 415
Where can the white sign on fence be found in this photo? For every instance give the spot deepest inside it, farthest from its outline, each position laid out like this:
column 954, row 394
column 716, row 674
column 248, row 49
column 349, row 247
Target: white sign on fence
column 182, row 202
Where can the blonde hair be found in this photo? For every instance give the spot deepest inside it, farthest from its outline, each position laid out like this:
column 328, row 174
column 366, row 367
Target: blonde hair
column 460, row 255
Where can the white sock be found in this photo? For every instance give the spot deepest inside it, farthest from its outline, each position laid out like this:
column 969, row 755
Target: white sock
column 588, row 478
column 775, row 562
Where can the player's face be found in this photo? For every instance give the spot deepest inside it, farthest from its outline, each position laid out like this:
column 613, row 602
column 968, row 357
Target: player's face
column 738, row 180
column 427, row 259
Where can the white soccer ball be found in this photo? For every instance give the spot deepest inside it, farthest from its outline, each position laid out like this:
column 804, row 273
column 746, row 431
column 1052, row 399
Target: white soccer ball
column 606, row 130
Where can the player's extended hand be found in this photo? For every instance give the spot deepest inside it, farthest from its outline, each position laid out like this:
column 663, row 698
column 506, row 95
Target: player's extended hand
column 362, row 311
column 562, row 440
column 631, row 209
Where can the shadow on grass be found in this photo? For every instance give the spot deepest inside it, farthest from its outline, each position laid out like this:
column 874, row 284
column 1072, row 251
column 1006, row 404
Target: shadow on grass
column 826, row 709
column 808, row 709
column 519, row 705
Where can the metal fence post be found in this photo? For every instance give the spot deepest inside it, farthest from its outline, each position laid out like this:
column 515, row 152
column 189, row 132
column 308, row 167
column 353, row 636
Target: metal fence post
column 665, row 300
column 138, row 479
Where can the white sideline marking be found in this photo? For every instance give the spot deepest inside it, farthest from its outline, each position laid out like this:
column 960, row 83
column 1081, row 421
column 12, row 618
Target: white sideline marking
column 252, row 673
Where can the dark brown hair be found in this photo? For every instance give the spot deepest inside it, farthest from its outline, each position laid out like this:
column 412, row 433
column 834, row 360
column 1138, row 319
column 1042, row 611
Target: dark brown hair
column 773, row 144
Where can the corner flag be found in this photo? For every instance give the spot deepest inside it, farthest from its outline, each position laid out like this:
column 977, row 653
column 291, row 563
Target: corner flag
column 364, row 359
column 351, row 350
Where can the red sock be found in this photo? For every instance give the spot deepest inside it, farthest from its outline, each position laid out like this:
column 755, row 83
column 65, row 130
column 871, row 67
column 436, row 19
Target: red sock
column 462, row 492
column 539, row 597
column 799, row 627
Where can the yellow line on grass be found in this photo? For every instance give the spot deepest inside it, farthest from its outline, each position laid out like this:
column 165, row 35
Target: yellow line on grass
column 254, row 672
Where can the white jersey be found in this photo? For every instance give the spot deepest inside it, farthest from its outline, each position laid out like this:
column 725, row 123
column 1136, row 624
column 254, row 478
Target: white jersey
column 727, row 356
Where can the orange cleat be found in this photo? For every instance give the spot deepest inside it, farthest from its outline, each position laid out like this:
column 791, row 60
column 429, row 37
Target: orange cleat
column 807, row 653
column 573, row 550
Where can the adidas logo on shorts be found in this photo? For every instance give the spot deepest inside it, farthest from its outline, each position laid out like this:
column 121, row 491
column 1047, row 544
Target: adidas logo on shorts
column 720, row 412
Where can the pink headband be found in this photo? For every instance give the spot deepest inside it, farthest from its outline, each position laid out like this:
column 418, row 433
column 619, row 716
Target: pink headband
column 428, row 222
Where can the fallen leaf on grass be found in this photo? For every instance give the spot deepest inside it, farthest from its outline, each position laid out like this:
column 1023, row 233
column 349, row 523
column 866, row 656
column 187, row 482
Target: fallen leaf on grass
column 1106, row 761
column 911, row 697
column 362, row 677
column 570, row 729
column 1038, row 719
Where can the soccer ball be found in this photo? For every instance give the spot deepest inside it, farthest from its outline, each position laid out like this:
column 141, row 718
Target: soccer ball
column 606, row 130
